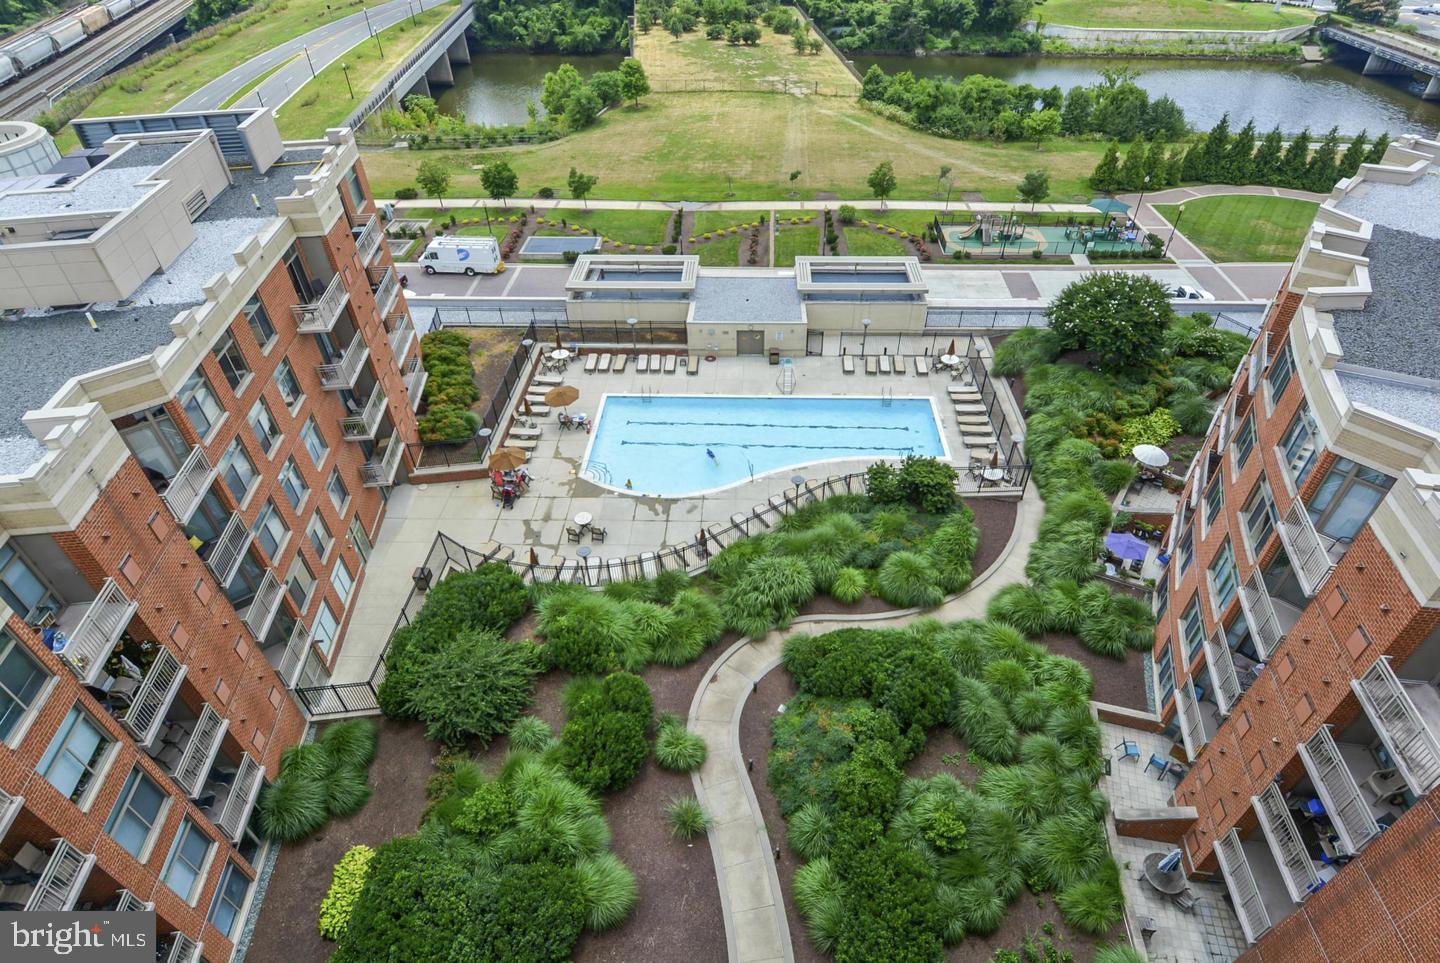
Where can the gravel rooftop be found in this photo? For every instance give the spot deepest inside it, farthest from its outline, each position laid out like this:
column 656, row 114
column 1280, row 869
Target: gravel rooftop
column 732, row 300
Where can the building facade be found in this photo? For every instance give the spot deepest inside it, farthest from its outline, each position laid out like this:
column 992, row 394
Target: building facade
column 213, row 384
column 1297, row 647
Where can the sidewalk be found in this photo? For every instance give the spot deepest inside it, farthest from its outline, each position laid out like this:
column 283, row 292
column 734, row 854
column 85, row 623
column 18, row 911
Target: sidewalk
column 868, row 204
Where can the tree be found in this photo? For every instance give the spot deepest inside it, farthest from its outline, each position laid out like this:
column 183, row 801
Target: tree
column 434, row 178
column 1106, row 177
column 1324, row 166
column 1371, row 11
column 1377, row 149
column 1212, row 151
column 1295, row 165
column 1075, row 117
column 801, row 43
column 816, row 45
column 1155, row 168
column 583, row 108
column 945, row 170
column 1354, row 155
column 1035, row 187
column 674, row 23
column 882, row 181
column 581, row 184
column 1265, row 166
column 1175, row 167
column 633, row 82
column 1040, row 126
column 558, row 87
column 1240, row 156
column 750, row 33
column 499, row 180
column 1120, row 316
column 1164, row 120
column 1132, row 172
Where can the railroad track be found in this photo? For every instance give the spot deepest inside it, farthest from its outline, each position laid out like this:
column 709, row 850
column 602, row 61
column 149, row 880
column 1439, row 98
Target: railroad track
column 33, row 93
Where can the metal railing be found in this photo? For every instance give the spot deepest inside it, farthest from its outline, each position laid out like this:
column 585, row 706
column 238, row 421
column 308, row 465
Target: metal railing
column 182, row 949
column 387, row 291
column 10, row 806
column 1302, row 543
column 200, row 751
column 380, row 471
column 386, row 88
column 1285, row 843
column 1260, row 615
column 415, row 377
column 99, row 629
column 362, row 427
column 488, row 314
column 1413, row 746
column 128, row 902
column 296, row 648
column 1249, row 907
column 369, row 238
column 1222, row 672
column 319, row 316
column 402, row 332
column 61, row 880
column 187, row 489
column 236, row 811
column 157, row 691
column 228, row 552
column 1338, row 790
column 341, row 375
column 262, row 608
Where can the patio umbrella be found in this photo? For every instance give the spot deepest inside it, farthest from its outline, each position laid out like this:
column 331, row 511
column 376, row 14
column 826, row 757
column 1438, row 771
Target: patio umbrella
column 525, row 406
column 1127, row 546
column 704, row 547
column 995, row 458
column 1108, row 205
column 1151, row 456
column 952, row 347
column 534, row 559
column 507, row 459
column 562, row 396
column 557, row 339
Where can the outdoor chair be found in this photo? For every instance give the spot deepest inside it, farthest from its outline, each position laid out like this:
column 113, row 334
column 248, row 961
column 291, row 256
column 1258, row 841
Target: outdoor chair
column 847, row 364
column 1159, row 763
column 572, row 533
column 692, row 364
column 1383, row 783
column 1129, row 750
column 1185, row 899
column 597, row 534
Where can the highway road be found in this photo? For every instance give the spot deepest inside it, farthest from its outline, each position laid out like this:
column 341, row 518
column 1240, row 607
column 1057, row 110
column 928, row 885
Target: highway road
column 302, row 57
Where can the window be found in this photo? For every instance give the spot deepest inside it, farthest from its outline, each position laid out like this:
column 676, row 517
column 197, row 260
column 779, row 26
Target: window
column 21, row 587
column 1165, row 673
column 1187, row 550
column 339, row 494
column 343, row 581
column 319, row 534
column 1240, row 640
column 260, row 324
column 1259, row 518
column 22, row 679
column 1301, row 446
column 198, row 399
column 1192, row 624
column 1223, row 577
column 267, row 431
column 190, row 855
column 229, row 899
column 1347, row 496
column 1280, row 373
column 357, row 193
column 137, row 814
column 294, row 484
column 301, row 583
column 360, row 539
column 315, row 442
column 1162, row 597
column 238, row 470
column 289, row 386
column 1214, row 500
column 1244, row 441
column 72, row 763
column 232, row 363
column 271, row 531
column 327, row 627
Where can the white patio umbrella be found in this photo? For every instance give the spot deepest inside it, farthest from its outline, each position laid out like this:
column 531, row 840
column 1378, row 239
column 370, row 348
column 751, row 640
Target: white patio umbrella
column 1151, row 456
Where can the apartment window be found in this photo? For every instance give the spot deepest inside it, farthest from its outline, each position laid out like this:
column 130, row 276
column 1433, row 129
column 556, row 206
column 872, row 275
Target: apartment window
column 1245, row 441
column 1214, row 500
column 22, row 679
column 1165, row 673
column 1347, row 496
column 1259, row 518
column 229, row 900
column 319, row 534
column 232, row 363
column 267, row 430
column 289, row 385
column 1162, row 597
column 270, row 530
column 360, row 539
column 1187, row 550
column 1240, row 640
column 21, row 587
column 339, row 494
column 327, row 628
column 1301, row 446
column 185, row 868
column 1192, row 624
column 315, row 442
column 200, row 404
column 1280, row 373
column 137, row 814
column 294, row 484
column 301, row 583
column 343, row 580
column 1223, row 577
column 72, row 763
column 260, row 324
column 238, row 470
column 357, row 193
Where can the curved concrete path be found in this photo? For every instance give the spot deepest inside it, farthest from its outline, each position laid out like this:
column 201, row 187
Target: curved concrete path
column 756, row 928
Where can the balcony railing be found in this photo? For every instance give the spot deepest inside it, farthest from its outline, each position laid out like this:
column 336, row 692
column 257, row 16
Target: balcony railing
column 1254, row 920
column 320, row 315
column 128, row 902
column 1338, row 791
column 1302, row 543
column 182, row 949
column 1285, row 843
column 402, row 333
column 1404, row 731
column 1192, row 724
column 61, row 880
column 1222, row 673
column 342, row 374
column 187, row 489
column 152, row 700
column 263, row 607
column 243, row 791
column 199, row 754
column 380, row 471
column 10, row 807
column 229, row 551
column 362, row 427
column 86, row 648
column 387, row 291
column 368, row 239
column 1260, row 616
column 415, row 378
column 296, row 649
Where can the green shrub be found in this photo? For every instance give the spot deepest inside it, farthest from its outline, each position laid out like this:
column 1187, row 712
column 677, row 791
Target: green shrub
column 951, row 550
column 848, row 586
column 909, row 580
column 898, row 671
column 346, row 882
column 351, row 743
column 1156, row 428
column 584, row 633
column 1115, row 476
column 981, row 906
column 650, row 625
column 472, row 686
column 1094, row 905
column 491, row 596
column 696, row 624
column 727, row 565
column 888, row 894
column 769, row 593
column 1069, row 849
column 604, row 744
column 1119, row 953
column 345, row 792
column 847, row 214
column 293, row 808
column 531, row 734
column 677, row 748
column 812, row 741
column 882, row 483
column 809, row 830
column 687, row 817
column 817, row 897
column 318, row 781
column 928, row 484
column 607, row 889
column 1023, row 606
column 1025, row 349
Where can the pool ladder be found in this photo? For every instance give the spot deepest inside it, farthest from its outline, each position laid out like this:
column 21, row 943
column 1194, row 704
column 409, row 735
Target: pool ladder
column 599, row 471
column 887, row 397
column 786, row 381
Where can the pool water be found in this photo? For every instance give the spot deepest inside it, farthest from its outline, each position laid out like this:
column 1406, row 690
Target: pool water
column 662, row 445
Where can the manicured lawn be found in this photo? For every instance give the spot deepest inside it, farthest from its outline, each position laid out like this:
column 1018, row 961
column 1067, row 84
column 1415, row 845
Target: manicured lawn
column 708, row 222
column 497, row 230
column 867, row 243
column 693, row 62
column 721, row 252
column 320, row 104
column 1171, row 14
column 1243, row 227
column 792, row 242
column 629, row 227
column 912, row 222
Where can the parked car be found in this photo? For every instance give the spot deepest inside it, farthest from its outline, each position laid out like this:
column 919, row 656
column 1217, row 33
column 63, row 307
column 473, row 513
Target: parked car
column 1184, row 292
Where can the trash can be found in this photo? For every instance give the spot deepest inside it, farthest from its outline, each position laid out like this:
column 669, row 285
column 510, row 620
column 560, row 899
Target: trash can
column 421, row 578
column 774, row 355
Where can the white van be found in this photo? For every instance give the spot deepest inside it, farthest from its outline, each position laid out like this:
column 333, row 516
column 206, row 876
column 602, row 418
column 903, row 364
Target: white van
column 462, row 255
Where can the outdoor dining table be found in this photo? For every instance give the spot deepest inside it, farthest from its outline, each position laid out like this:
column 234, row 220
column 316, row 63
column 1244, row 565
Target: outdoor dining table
column 1169, row 882
column 583, row 519
column 560, row 354
column 950, row 360
column 993, row 475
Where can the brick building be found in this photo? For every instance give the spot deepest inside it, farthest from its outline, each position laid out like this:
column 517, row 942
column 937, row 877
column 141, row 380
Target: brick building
column 210, row 381
column 1298, row 643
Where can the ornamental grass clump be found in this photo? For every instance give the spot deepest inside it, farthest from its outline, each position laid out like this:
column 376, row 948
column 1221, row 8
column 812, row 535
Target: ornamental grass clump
column 318, row 781
column 687, row 817
column 909, row 580
column 768, row 593
column 677, row 748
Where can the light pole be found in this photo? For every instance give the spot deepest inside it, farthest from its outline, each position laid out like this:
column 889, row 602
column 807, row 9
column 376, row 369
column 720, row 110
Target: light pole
column 411, row 8
column 371, row 28
column 864, row 333
column 310, row 62
column 1173, row 228
column 634, row 345
column 1140, row 203
column 345, row 69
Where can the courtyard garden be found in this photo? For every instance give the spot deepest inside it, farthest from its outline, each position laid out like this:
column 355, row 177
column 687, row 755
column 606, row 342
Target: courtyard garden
column 1244, row 227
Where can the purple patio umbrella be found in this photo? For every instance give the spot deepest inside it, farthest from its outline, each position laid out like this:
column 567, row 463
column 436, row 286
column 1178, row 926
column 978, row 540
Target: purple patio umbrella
column 1127, row 546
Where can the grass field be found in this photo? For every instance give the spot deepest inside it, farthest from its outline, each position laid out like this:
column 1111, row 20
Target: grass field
column 721, row 252
column 629, row 227
column 792, row 242
column 322, row 103
column 866, row 243
column 708, row 222
column 911, row 222
column 692, row 62
column 1243, row 227
column 497, row 229
column 1171, row 14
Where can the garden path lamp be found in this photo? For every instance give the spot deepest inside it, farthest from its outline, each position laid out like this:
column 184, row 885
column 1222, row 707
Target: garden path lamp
column 345, row 69
column 634, row 345
column 1173, row 228
column 864, row 333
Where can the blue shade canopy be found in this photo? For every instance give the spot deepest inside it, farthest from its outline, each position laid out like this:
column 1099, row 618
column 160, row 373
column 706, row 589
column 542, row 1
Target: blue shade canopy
column 1108, row 205
column 1127, row 546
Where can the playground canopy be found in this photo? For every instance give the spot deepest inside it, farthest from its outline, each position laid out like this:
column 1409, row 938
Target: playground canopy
column 1108, row 205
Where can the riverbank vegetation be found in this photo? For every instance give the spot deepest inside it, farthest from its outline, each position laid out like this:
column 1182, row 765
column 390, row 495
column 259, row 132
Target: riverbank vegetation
column 1244, row 227
column 957, row 26
column 559, row 26
column 1172, row 14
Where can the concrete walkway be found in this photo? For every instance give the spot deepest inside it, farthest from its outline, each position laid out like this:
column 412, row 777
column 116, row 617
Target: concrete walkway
column 865, row 204
column 756, row 927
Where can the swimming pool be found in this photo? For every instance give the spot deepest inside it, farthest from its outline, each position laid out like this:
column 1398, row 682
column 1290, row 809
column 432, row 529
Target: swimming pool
column 662, row 444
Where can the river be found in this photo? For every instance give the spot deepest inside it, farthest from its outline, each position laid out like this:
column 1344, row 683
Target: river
column 495, row 87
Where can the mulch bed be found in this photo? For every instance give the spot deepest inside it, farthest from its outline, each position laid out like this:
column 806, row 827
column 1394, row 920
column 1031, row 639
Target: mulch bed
column 1116, row 683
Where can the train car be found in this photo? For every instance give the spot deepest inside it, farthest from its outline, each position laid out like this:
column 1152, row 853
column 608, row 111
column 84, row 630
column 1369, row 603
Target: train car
column 93, row 19
column 8, row 70
column 117, row 8
column 67, row 32
column 30, row 51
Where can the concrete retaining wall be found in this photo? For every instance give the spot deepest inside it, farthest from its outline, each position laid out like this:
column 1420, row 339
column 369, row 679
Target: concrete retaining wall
column 1105, row 36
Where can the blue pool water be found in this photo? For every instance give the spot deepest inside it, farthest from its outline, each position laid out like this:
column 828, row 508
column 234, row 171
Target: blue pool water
column 659, row 444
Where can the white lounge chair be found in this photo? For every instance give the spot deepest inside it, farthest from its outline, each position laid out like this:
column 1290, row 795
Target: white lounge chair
column 670, row 360
column 642, row 363
column 922, row 365
column 655, row 364
column 692, row 364
column 604, row 364
column 620, row 360
column 591, row 360
column 847, row 364
column 900, row 364
column 885, row 364
column 871, row 365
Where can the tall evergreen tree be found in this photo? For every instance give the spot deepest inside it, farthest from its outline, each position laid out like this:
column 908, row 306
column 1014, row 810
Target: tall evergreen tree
column 1075, row 117
column 1106, row 176
column 1377, row 149
column 1155, row 166
column 1212, row 154
column 1324, row 167
column 1175, row 166
column 1296, row 162
column 1354, row 155
column 1239, row 155
column 1192, row 168
column 1266, row 165
column 1132, row 172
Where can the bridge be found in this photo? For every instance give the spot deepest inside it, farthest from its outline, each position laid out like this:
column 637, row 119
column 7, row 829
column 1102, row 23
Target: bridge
column 428, row 66
column 1391, row 54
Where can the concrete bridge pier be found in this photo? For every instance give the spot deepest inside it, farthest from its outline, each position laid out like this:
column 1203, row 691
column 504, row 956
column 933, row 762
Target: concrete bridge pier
column 439, row 73
column 1432, row 90
column 1378, row 66
column 459, row 52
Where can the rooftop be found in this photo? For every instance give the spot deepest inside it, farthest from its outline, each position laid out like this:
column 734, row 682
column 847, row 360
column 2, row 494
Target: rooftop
column 116, row 185
column 727, row 299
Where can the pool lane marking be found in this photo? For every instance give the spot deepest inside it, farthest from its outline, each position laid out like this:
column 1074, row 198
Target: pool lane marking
column 771, row 424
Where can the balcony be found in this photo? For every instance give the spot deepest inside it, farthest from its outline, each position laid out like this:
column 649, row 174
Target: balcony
column 178, row 948
column 153, row 698
column 402, row 334
column 1394, row 708
column 387, row 290
column 1337, row 787
column 1256, row 883
column 1307, row 553
column 235, row 806
column 128, row 902
column 187, row 489
column 368, row 239
column 296, row 649
column 341, row 375
column 415, row 378
column 362, row 427
column 1222, row 673
column 1191, row 715
column 228, row 552
column 380, row 470
column 199, row 753
column 1260, row 615
column 101, row 623
column 46, row 881
column 320, row 315
column 10, row 807
column 261, row 610
column 1286, row 846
